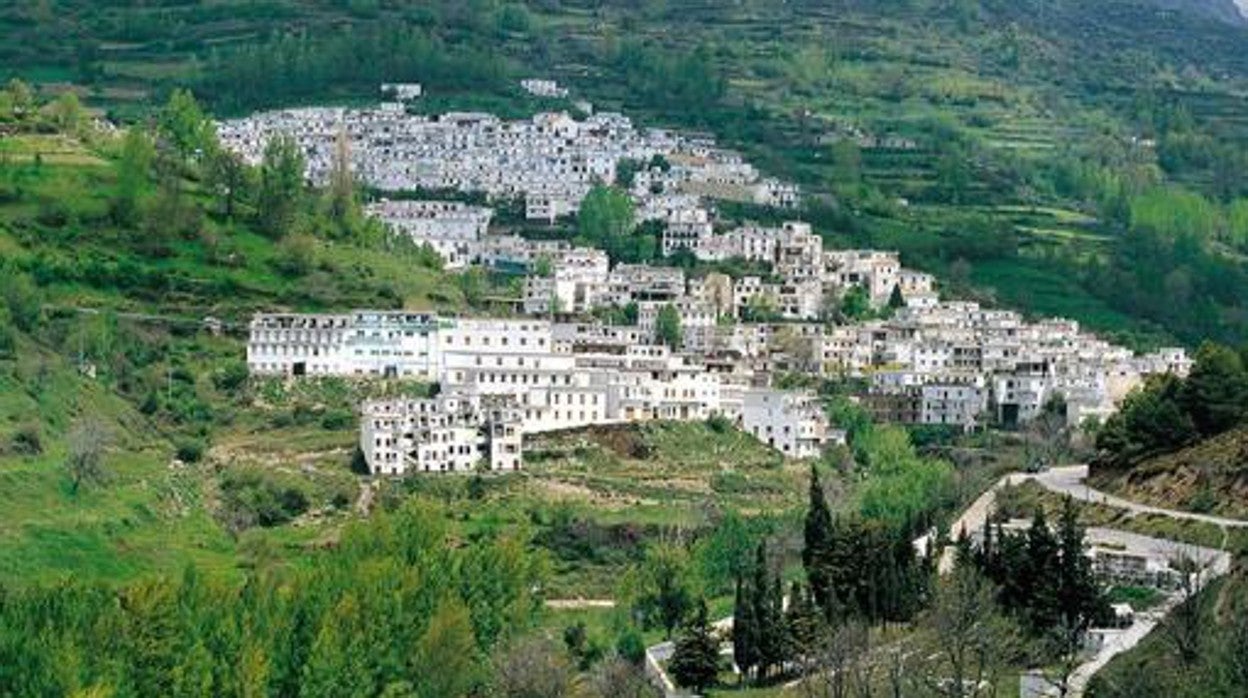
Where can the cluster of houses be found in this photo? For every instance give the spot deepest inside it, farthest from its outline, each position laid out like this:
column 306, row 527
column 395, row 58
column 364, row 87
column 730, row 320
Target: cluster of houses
column 550, row 161
column 926, row 360
column 500, row 379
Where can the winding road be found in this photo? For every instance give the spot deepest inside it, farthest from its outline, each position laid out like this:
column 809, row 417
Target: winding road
column 1068, row 480
column 1072, row 480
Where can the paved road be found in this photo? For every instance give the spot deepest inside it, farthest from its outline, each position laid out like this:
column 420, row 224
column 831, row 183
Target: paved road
column 578, row 604
column 1072, row 480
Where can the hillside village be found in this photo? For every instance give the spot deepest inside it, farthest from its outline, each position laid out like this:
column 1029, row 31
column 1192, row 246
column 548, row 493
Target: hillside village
column 695, row 346
column 907, row 357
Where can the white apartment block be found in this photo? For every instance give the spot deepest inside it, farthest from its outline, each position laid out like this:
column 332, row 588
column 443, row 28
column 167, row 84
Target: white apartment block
column 877, row 272
column 577, row 283
column 363, row 343
column 791, row 422
column 445, row 434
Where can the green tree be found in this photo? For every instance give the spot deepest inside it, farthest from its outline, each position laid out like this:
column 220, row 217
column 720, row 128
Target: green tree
column 186, row 128
column 856, row 303
column 445, row 660
column 1150, row 420
column 667, row 327
column 695, row 661
column 343, row 207
column 744, row 627
column 817, row 541
column 133, row 169
column 337, row 664
column 665, row 594
column 896, row 299
column 606, row 218
column 1215, row 393
column 228, row 175
column 67, row 113
column 801, row 620
column 281, row 186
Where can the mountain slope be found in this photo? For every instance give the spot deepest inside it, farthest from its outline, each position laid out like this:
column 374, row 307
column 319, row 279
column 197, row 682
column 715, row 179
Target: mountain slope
column 1208, row 477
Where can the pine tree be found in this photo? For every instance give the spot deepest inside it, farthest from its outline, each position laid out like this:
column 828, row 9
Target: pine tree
column 817, row 542
column 801, row 623
column 1041, row 575
column 744, row 629
column 695, row 661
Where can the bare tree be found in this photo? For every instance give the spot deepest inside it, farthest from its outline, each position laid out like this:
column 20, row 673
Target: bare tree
column 719, row 293
column 617, row 677
column 1183, row 626
column 533, row 667
column 896, row 670
column 974, row 640
column 1236, row 649
column 833, row 670
column 1065, row 646
column 88, row 439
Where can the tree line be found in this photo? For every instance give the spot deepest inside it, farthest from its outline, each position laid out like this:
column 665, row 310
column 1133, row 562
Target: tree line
column 394, row 608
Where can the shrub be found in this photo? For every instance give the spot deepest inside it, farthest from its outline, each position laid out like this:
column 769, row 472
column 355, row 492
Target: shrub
column 28, row 440
column 631, row 646
column 719, row 424
column 191, row 451
column 337, row 419
column 230, row 376
column 252, row 498
column 359, row 464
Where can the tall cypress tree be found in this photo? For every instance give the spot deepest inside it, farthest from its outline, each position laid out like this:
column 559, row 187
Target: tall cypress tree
column 1078, row 596
column 818, row 542
column 744, row 629
column 801, row 622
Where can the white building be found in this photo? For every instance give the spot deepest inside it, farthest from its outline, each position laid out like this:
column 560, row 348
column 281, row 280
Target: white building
column 454, row 230
column 543, row 88
column 445, row 434
column 790, row 422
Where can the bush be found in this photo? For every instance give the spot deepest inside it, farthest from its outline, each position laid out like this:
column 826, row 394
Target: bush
column 296, row 255
column 191, row 451
column 359, row 464
column 230, row 376
column 252, row 498
column 28, row 441
column 337, row 419
column 8, row 341
column 631, row 646
column 22, row 299
column 719, row 424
